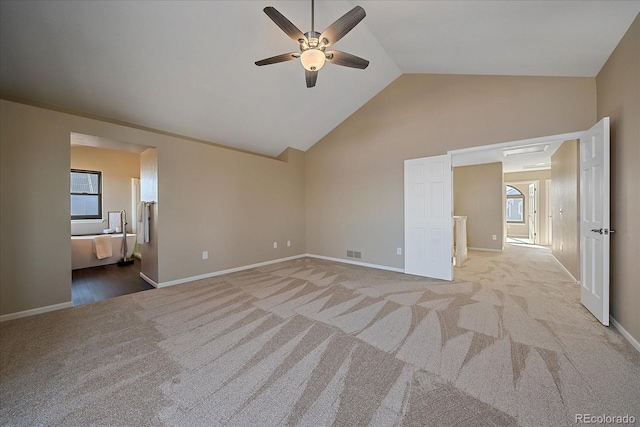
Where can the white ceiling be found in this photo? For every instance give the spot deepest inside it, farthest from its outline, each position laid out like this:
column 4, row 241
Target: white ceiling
column 188, row 67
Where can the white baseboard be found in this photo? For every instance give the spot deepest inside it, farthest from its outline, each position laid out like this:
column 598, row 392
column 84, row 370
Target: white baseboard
column 484, row 249
column 148, row 279
column 35, row 311
column 218, row 273
column 565, row 269
column 634, row 342
column 362, row 264
column 5, row 317
column 261, row 264
column 152, row 282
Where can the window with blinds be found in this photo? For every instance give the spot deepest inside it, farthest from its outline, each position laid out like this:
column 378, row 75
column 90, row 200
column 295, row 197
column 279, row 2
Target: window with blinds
column 86, row 194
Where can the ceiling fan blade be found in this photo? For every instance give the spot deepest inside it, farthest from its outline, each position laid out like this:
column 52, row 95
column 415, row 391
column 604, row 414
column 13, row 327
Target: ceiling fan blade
column 343, row 25
column 346, row 59
column 284, row 24
column 279, row 58
column 311, row 77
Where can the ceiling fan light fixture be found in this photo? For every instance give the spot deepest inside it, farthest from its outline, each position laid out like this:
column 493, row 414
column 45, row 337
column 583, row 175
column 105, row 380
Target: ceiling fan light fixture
column 312, row 59
column 312, row 44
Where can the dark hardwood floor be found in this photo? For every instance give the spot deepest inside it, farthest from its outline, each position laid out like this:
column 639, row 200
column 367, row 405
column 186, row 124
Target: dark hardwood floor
column 108, row 281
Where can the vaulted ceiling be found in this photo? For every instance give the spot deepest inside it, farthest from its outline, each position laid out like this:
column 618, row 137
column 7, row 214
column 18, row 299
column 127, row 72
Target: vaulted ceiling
column 188, row 67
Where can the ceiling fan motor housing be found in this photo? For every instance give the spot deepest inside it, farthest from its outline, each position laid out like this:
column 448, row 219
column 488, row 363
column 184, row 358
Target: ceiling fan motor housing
column 313, row 41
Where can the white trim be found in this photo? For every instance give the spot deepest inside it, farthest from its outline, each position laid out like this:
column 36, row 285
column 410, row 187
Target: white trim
column 634, row 342
column 362, row 264
column 148, row 279
column 565, row 269
column 518, row 143
column 35, row 311
column 218, row 273
column 528, row 181
column 484, row 249
column 260, row 264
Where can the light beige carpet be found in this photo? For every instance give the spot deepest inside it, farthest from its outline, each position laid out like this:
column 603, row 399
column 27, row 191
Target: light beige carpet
column 318, row 343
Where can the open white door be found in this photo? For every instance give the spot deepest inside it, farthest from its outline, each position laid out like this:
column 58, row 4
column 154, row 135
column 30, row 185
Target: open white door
column 549, row 210
column 533, row 213
column 428, row 225
column 594, row 220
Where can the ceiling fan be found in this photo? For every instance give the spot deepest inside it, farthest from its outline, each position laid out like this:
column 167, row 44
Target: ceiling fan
column 313, row 44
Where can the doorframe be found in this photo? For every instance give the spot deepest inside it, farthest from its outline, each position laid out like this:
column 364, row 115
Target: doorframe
column 577, row 135
column 517, row 143
column 514, row 144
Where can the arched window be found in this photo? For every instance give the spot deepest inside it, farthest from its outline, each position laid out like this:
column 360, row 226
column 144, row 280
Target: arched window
column 515, row 205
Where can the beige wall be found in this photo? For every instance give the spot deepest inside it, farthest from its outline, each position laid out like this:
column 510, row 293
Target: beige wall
column 35, row 247
column 355, row 173
column 522, row 179
column 565, row 201
column 618, row 85
column 233, row 204
column 117, row 167
column 478, row 194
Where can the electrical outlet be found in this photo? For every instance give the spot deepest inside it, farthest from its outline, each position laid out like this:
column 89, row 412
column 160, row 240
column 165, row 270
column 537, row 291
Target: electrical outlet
column 288, row 242
column 205, row 254
column 399, row 251
column 275, row 245
column 494, row 237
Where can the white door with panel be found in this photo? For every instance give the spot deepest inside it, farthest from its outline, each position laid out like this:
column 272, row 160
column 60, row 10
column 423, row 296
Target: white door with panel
column 595, row 229
column 549, row 210
column 533, row 213
column 428, row 217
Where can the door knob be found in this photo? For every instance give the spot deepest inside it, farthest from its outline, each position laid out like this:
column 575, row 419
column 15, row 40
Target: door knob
column 597, row 230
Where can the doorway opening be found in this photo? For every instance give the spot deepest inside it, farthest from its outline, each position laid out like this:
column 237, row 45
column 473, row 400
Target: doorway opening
column 588, row 152
column 103, row 244
column 528, row 204
column 526, row 188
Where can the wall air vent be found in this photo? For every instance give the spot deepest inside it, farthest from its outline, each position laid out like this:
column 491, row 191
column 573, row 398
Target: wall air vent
column 354, row 254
